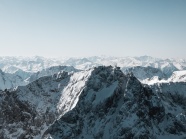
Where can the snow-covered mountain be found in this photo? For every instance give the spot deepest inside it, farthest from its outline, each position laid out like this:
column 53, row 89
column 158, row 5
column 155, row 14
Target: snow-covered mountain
column 167, row 66
column 150, row 75
column 23, row 74
column 35, row 64
column 29, row 110
column 145, row 98
column 146, row 73
column 177, row 76
column 81, row 63
column 21, row 78
column 28, row 64
column 8, row 80
column 51, row 71
column 115, row 106
column 147, row 69
column 101, row 102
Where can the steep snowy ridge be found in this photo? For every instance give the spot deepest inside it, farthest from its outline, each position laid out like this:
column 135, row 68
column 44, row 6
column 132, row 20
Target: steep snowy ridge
column 28, row 111
column 51, row 71
column 21, row 78
column 115, row 106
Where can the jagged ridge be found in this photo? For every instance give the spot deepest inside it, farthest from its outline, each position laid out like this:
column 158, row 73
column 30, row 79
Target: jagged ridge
column 119, row 107
column 110, row 104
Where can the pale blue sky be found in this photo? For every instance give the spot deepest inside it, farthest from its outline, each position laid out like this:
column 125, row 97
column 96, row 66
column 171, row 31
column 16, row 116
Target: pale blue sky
column 57, row 28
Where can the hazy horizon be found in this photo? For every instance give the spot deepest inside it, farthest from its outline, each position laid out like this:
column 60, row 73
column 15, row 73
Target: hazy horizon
column 80, row 57
column 93, row 28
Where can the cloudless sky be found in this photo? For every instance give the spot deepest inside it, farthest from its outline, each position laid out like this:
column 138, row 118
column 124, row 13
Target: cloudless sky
column 58, row 28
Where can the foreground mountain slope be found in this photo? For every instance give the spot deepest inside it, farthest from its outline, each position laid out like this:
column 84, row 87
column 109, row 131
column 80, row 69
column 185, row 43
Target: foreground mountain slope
column 115, row 106
column 97, row 103
column 29, row 110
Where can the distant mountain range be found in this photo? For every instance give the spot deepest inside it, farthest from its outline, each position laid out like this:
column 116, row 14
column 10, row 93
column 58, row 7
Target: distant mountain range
column 34, row 64
column 18, row 71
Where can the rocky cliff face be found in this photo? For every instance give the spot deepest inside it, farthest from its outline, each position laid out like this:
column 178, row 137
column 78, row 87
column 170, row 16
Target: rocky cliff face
column 120, row 107
column 28, row 111
column 101, row 102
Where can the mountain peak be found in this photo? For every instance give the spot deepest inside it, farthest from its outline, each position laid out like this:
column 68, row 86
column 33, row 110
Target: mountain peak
column 94, row 102
column 112, row 106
